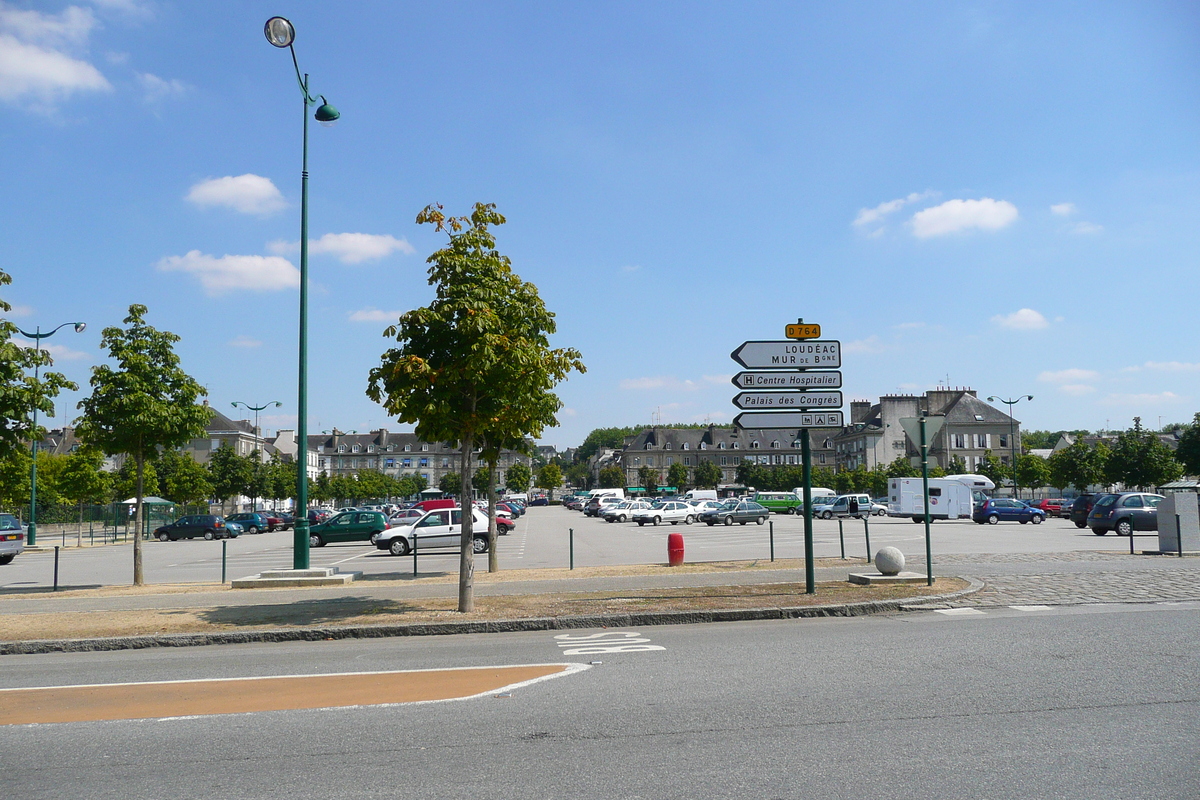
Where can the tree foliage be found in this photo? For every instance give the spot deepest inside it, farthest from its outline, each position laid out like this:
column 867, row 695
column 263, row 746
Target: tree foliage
column 549, row 477
column 229, row 473
column 611, row 478
column 1188, row 451
column 1077, row 465
column 183, row 479
column 706, row 475
column 476, row 362
column 579, row 476
column 648, row 479
column 677, row 476
column 1032, row 471
column 517, row 477
column 1140, row 460
column 612, row 438
column 144, row 403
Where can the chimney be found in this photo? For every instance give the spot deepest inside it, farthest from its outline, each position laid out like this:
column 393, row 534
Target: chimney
column 859, row 409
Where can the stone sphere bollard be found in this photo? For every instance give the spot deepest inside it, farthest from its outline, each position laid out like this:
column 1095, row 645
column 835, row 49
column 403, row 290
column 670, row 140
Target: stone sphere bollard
column 889, row 561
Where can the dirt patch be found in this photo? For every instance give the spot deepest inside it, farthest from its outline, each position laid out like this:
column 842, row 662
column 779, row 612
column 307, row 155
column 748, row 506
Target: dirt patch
column 360, row 610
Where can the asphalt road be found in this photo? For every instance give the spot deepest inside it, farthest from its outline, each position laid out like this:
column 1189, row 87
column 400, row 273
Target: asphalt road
column 1072, row 702
column 543, row 539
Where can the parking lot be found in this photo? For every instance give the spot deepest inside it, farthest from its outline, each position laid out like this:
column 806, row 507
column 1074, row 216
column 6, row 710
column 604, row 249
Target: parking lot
column 544, row 537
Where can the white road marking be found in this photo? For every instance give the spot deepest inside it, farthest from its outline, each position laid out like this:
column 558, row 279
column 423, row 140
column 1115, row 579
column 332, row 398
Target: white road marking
column 607, row 642
column 957, row 612
column 1030, row 608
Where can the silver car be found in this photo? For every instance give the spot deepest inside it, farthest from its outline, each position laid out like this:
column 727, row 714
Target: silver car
column 12, row 538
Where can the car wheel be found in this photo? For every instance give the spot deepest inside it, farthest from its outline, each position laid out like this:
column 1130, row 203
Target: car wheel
column 398, row 547
column 709, row 523
column 919, row 520
column 1022, row 521
column 479, row 544
column 1037, row 519
column 314, row 540
column 1098, row 532
column 1080, row 524
column 641, row 523
column 657, row 520
column 7, row 558
column 688, row 520
column 252, row 529
column 826, row 515
column 622, row 518
column 791, row 510
column 164, row 537
column 761, row 520
column 993, row 519
column 209, row 535
column 1124, row 528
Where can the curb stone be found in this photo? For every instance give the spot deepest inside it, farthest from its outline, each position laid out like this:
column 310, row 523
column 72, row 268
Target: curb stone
column 317, row 634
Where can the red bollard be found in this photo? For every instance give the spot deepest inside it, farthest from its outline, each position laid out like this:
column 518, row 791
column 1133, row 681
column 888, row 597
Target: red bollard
column 675, row 550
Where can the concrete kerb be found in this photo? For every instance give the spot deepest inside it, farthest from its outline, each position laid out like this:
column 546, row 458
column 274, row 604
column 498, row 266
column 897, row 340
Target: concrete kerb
column 316, row 634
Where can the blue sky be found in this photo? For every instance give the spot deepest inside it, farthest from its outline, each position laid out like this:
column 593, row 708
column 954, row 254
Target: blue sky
column 986, row 194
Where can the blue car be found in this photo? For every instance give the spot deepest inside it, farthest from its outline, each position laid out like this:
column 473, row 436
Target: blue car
column 995, row 510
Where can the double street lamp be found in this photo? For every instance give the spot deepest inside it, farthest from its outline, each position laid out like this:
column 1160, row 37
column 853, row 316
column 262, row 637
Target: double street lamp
column 37, row 336
column 1012, row 435
column 281, row 33
column 256, row 409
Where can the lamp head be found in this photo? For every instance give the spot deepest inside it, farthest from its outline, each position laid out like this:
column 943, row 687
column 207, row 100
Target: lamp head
column 279, row 32
column 991, row 399
column 326, row 114
column 1028, row 397
column 80, row 327
column 278, row 404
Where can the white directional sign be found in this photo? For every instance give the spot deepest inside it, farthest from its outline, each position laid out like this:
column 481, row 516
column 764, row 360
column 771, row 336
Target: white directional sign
column 787, row 354
column 788, row 401
column 791, row 419
column 788, row 380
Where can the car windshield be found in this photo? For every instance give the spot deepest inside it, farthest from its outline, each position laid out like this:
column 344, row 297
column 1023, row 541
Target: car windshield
column 9, row 523
column 1106, row 501
column 730, row 505
column 659, row 505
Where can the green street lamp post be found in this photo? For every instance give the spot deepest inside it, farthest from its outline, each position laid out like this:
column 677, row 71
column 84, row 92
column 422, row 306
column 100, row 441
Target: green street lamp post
column 281, row 33
column 1012, row 435
column 37, row 336
column 256, row 409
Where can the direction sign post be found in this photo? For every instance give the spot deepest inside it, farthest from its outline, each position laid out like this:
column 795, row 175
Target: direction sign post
column 788, row 401
column 787, row 354
column 786, row 379
column 796, row 419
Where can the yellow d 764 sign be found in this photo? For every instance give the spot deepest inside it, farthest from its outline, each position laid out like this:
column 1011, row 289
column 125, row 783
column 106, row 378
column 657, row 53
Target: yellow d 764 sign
column 802, row 330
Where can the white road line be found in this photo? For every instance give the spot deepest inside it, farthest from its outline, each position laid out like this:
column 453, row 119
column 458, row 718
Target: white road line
column 1030, row 608
column 958, row 612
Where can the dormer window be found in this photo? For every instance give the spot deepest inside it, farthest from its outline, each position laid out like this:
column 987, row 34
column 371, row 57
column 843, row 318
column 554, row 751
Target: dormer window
column 720, row 445
column 370, row 448
column 737, row 446
column 684, row 446
column 753, row 445
column 408, row 448
column 775, row 445
column 357, row 448
column 424, row 448
column 648, row 445
column 796, row 445
column 341, row 448
column 667, row 446
column 704, row 445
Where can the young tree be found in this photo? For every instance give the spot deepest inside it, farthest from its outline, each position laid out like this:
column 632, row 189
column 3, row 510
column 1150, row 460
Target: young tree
column 145, row 403
column 517, row 478
column 706, row 475
column 901, row 467
column 125, row 481
column 83, row 479
column 14, row 478
column 578, row 476
column 611, row 478
column 229, row 474
column 1188, row 451
column 550, row 477
column 476, row 362
column 1077, row 465
column 1032, row 471
column 1139, row 459
column 450, row 483
column 482, row 476
column 648, row 478
column 992, row 468
column 183, row 479
column 19, row 391
column 677, row 475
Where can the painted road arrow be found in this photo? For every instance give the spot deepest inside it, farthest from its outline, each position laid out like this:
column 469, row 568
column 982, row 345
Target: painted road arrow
column 791, row 419
column 788, row 401
column 775, row 379
column 785, row 354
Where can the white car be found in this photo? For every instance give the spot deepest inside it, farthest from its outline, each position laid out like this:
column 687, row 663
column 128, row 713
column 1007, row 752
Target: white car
column 620, row 512
column 700, row 506
column 670, row 511
column 439, row 529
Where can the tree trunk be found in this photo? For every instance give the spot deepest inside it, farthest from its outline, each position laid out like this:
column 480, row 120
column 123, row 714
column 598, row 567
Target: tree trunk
column 493, row 559
column 466, row 558
column 138, row 579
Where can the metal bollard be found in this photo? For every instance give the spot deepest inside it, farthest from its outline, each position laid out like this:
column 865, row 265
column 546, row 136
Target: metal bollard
column 572, row 534
column 772, row 524
column 1178, row 537
column 415, row 537
column 224, row 550
column 55, row 568
column 842, row 539
column 867, row 530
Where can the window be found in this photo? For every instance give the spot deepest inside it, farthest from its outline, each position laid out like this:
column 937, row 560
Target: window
column 667, row 446
column 791, row 459
column 649, row 461
column 754, row 445
column 321, row 463
column 724, row 461
column 445, row 463
column 357, row 448
column 796, row 445
column 370, row 448
column 408, row 448
column 1004, row 440
column 424, row 448
column 821, row 458
column 687, row 461
column 637, row 461
column 960, row 441
column 648, row 445
column 981, row 441
column 354, row 463
column 775, row 445
column 704, row 445
column 391, row 447
column 424, row 462
column 391, row 462
column 406, row 462
column 720, row 445
column 668, row 462
column 737, row 445
column 684, row 446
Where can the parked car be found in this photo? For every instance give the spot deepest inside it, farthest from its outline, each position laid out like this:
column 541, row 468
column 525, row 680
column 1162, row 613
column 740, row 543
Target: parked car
column 513, row 509
column 251, row 521
column 1003, row 509
column 1082, row 507
column 821, row 504
column 1125, row 513
column 287, row 520
column 671, row 511
column 405, row 516
column 739, row 511
column 540, row 501
column 621, row 512
column 318, row 515
column 846, row 505
column 1050, row 505
column 592, row 509
column 780, row 502
column 349, row 526
column 208, row 526
column 440, row 529
column 12, row 538
column 575, row 503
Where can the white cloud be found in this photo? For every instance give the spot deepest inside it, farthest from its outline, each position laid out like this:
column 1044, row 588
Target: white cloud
column 1076, row 389
column 1063, row 209
column 40, row 61
column 718, row 379
column 953, row 216
column 20, row 311
column 245, row 341
column 155, row 88
column 1165, row 366
column 372, row 314
column 910, row 326
column 130, row 7
column 1068, row 376
column 1024, row 320
column 869, row 216
column 1142, row 399
column 249, row 194
column 631, row 268
column 872, row 344
column 350, row 248
column 659, row 382
column 567, row 412
column 1086, row 228
column 227, row 273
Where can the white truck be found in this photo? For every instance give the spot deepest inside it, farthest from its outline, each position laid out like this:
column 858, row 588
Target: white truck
column 949, row 498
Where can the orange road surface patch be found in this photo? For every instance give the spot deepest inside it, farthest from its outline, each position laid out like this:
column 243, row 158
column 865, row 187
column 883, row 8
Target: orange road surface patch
column 242, row 695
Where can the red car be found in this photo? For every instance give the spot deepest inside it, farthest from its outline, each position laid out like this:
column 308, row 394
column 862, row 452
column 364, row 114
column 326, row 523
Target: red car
column 1051, row 505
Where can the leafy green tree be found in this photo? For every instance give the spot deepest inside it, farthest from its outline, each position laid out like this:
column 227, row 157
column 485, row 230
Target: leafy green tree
column 992, row 468
column 901, row 467
column 648, row 479
column 19, row 391
column 707, row 475
column 373, row 485
column 322, row 488
column 482, row 476
column 677, row 476
column 258, row 483
column 1139, row 459
column 281, row 478
column 517, row 477
column 125, row 480
column 611, row 478
column 343, row 489
column 549, row 477
column 821, row 476
column 183, row 479
column 1032, row 471
column 229, row 474
column 147, row 402
column 613, row 438
column 1077, row 465
column 475, row 363
column 578, row 476
column 1188, row 451
column 14, row 478
column 450, row 483
column 83, row 479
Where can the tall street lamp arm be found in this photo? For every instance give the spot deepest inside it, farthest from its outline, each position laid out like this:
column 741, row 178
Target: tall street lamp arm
column 1012, row 434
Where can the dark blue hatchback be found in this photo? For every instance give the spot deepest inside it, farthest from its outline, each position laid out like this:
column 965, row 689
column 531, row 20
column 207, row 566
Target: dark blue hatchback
column 995, row 510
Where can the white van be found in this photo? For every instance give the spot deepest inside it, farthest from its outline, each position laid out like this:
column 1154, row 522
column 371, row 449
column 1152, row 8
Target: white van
column 617, row 493
column 700, row 494
column 816, row 491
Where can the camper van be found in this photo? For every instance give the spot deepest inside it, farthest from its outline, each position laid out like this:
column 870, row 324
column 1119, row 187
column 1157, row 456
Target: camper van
column 949, row 498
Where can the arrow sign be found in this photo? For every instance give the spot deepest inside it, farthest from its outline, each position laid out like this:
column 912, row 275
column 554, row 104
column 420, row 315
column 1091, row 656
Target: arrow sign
column 792, row 419
column 788, row 401
column 813, row 354
column 912, row 426
column 788, row 380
